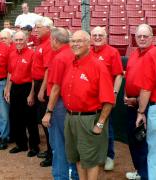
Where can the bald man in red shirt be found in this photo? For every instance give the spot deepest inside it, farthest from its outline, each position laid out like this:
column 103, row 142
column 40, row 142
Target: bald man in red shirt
column 22, row 97
column 87, row 93
column 111, row 58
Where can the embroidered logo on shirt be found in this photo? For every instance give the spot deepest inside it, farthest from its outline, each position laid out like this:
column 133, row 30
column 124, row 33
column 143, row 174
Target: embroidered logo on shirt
column 101, row 58
column 83, row 76
column 40, row 50
column 24, row 61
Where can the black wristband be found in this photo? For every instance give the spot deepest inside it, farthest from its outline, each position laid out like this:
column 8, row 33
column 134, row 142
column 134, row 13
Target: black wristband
column 49, row 111
column 140, row 112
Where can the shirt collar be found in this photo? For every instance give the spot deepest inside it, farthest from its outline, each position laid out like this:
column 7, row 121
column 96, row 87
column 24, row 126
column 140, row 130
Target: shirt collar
column 83, row 60
column 45, row 37
column 100, row 48
column 22, row 50
column 145, row 50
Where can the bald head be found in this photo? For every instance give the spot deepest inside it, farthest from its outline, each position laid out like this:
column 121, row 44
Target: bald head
column 80, row 43
column 20, row 40
column 144, row 36
column 99, row 36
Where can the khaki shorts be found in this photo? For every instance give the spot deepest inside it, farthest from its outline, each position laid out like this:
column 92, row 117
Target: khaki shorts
column 82, row 144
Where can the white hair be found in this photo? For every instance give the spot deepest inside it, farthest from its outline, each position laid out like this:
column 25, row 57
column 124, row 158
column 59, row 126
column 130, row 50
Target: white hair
column 45, row 21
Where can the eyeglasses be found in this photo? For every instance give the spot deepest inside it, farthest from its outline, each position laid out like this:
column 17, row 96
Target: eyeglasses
column 98, row 35
column 78, row 41
column 20, row 40
column 143, row 36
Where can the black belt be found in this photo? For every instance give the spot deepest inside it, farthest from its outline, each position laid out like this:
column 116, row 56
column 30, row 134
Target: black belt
column 83, row 113
column 152, row 103
column 2, row 79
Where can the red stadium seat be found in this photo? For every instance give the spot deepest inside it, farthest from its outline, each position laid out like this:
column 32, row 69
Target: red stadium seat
column 74, row 2
column 119, row 40
column 52, row 15
column 135, row 14
column 76, row 22
column 66, row 15
column 151, row 21
column 102, row 8
column 93, row 2
column 100, row 14
column 132, row 29
column 117, row 7
column 73, row 29
column 148, row 1
column 119, row 2
column 150, row 13
column 61, row 3
column 117, row 14
column 62, row 22
column 47, row 3
column 149, row 7
column 118, row 30
column 104, row 2
column 99, row 21
column 78, row 14
column 55, row 9
column 136, row 21
column 41, row 9
column 118, row 21
column 70, row 8
column 134, row 2
column 135, row 7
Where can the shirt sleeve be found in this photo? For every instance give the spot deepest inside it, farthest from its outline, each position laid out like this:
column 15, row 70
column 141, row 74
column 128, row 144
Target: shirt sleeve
column 146, row 78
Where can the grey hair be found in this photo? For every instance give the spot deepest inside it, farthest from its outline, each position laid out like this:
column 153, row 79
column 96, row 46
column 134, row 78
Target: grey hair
column 20, row 32
column 60, row 34
column 45, row 21
column 144, row 26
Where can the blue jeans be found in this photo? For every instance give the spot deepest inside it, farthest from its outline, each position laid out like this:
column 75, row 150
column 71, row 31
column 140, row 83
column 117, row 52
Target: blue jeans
column 4, row 113
column 111, row 152
column 60, row 165
column 151, row 140
column 138, row 150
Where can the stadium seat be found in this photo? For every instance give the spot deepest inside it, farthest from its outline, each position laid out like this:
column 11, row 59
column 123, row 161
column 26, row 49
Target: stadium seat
column 104, row 2
column 150, row 13
column 76, row 22
column 74, row 2
column 118, row 21
column 78, row 14
column 134, row 2
column 117, row 7
column 47, row 3
column 149, row 7
column 135, row 7
column 62, row 22
column 99, row 21
column 148, row 1
column 118, row 2
column 102, row 8
column 66, row 15
column 136, row 21
column 55, row 9
column 100, row 14
column 118, row 30
column 71, row 8
column 117, row 14
column 41, row 9
column 134, row 13
column 93, row 2
column 119, row 40
column 61, row 3
column 52, row 15
column 151, row 21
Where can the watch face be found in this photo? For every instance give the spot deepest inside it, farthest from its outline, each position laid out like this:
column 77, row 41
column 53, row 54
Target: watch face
column 99, row 125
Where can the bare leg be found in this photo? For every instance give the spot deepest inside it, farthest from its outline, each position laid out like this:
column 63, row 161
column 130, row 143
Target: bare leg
column 82, row 172
column 93, row 173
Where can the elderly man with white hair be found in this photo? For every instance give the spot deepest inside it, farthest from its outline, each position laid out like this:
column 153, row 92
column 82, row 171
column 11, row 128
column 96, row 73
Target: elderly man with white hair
column 147, row 98
column 43, row 56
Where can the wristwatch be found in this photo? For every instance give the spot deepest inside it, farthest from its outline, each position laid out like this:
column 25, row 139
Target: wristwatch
column 49, row 111
column 99, row 125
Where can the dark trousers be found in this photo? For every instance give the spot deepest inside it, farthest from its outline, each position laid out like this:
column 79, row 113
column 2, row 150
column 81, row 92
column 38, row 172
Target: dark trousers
column 23, row 117
column 40, row 111
column 138, row 150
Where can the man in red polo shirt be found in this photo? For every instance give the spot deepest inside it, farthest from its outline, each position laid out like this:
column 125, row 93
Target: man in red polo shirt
column 138, row 150
column 86, row 90
column 42, row 58
column 147, row 82
column 111, row 57
column 4, row 109
column 22, row 97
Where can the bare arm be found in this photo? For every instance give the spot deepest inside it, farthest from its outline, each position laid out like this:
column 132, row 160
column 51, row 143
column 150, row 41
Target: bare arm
column 143, row 101
column 43, row 87
column 7, row 88
column 30, row 98
column 55, row 92
column 117, row 82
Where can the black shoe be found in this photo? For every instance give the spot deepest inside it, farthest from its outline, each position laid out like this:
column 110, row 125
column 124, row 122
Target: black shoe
column 17, row 150
column 46, row 163
column 3, row 145
column 42, row 154
column 33, row 152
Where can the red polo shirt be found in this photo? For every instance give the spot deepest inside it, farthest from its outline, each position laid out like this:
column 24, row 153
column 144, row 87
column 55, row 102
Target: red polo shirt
column 147, row 78
column 4, row 52
column 111, row 57
column 87, row 85
column 132, row 73
column 59, row 66
column 42, row 57
column 20, row 64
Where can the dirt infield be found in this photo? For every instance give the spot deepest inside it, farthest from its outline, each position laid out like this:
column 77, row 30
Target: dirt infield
column 20, row 167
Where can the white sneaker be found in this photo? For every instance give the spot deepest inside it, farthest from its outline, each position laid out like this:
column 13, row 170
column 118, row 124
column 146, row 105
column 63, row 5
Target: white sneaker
column 109, row 164
column 133, row 176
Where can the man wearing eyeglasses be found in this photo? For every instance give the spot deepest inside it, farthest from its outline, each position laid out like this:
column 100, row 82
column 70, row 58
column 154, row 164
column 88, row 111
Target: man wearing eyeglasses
column 111, row 58
column 147, row 99
column 88, row 96
column 138, row 150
